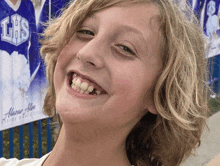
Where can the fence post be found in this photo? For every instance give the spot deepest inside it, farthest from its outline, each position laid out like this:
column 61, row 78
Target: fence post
column 11, row 143
column 1, row 143
column 21, row 141
column 40, row 138
column 30, row 139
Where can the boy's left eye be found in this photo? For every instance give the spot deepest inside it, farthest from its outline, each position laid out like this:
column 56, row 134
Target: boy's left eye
column 86, row 32
column 126, row 49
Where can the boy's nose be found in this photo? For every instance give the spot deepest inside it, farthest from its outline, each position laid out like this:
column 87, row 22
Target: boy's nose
column 92, row 54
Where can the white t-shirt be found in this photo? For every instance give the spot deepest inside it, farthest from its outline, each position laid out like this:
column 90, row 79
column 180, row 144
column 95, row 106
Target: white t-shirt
column 23, row 162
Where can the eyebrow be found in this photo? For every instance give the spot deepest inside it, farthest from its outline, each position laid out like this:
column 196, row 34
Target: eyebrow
column 134, row 30
column 131, row 29
column 128, row 28
column 93, row 16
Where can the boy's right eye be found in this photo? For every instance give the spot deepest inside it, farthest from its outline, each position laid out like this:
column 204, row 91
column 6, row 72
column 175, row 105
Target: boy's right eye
column 85, row 32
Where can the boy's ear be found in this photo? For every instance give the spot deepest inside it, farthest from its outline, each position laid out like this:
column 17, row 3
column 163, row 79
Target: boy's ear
column 151, row 107
column 149, row 103
column 153, row 110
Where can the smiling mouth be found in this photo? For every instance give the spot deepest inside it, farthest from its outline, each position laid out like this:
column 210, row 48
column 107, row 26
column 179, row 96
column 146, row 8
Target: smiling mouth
column 84, row 85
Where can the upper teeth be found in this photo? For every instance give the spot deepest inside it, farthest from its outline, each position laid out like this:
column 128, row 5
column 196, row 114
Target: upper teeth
column 83, row 87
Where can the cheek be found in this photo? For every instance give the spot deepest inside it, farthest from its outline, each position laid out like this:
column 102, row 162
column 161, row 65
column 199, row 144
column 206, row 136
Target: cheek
column 69, row 52
column 64, row 57
column 133, row 85
column 129, row 94
column 57, row 79
column 122, row 86
column 136, row 92
column 126, row 103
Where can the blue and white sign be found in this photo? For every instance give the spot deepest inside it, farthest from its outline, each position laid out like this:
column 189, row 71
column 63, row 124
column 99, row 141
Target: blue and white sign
column 22, row 84
column 210, row 15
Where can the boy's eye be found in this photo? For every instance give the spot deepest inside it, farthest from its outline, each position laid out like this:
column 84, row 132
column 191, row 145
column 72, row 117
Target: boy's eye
column 126, row 49
column 86, row 32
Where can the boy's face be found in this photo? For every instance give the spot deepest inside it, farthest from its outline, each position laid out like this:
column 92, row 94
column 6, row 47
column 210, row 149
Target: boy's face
column 115, row 52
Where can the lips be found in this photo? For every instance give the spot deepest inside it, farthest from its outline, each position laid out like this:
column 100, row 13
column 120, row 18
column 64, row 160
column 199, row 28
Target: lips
column 84, row 84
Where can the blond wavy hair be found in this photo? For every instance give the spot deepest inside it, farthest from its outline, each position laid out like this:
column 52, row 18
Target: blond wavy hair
column 180, row 93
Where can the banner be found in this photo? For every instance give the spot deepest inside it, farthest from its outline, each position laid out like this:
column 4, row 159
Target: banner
column 209, row 18
column 23, row 82
column 22, row 77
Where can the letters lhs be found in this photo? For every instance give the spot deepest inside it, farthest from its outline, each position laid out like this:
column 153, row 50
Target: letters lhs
column 18, row 33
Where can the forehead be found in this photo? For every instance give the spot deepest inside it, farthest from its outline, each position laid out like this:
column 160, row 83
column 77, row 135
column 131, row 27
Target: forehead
column 134, row 13
column 142, row 17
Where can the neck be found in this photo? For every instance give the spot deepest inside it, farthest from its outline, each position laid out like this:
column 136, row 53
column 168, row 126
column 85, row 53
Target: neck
column 14, row 1
column 82, row 146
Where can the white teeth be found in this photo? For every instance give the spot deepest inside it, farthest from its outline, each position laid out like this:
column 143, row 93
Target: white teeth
column 84, row 86
column 90, row 88
column 74, row 87
column 78, row 83
column 74, row 81
column 98, row 92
